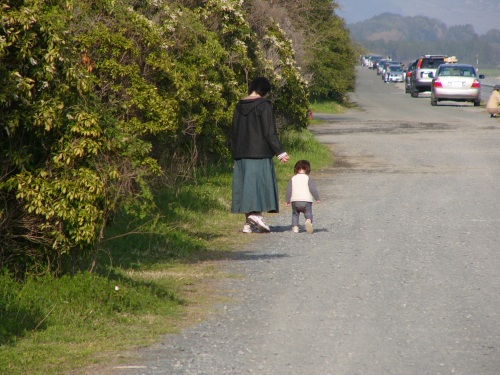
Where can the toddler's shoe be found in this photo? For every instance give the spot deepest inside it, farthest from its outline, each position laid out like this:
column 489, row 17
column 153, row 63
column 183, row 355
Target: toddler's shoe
column 309, row 226
column 259, row 222
column 295, row 229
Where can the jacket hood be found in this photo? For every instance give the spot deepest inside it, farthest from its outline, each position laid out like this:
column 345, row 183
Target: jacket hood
column 244, row 107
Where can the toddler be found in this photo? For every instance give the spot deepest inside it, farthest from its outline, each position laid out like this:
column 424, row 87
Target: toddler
column 300, row 192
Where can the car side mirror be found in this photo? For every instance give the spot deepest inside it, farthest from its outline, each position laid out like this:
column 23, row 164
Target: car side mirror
column 482, row 76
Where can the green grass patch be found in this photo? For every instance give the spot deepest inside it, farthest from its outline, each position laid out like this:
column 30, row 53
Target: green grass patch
column 490, row 73
column 51, row 325
column 153, row 277
column 326, row 106
column 301, row 145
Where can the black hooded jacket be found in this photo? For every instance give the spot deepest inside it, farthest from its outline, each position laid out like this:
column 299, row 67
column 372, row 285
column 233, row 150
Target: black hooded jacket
column 254, row 134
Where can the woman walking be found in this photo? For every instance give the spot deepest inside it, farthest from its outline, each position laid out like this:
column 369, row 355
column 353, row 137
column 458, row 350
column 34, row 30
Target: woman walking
column 254, row 143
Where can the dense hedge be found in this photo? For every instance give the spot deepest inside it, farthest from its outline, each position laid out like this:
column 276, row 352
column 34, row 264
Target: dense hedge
column 100, row 96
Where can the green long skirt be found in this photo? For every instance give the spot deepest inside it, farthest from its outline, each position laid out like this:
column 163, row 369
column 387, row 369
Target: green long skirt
column 255, row 188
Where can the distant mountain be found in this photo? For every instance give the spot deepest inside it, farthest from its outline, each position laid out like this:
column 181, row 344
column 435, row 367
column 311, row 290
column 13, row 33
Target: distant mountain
column 492, row 36
column 393, row 27
column 408, row 37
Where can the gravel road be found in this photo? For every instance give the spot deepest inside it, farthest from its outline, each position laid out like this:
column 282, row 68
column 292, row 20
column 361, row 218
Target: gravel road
column 401, row 275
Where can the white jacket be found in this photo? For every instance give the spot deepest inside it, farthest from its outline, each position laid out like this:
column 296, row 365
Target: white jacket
column 301, row 188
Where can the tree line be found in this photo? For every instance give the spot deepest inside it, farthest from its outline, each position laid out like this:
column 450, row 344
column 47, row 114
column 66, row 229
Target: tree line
column 101, row 101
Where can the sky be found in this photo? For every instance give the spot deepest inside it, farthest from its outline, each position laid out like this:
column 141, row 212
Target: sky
column 483, row 15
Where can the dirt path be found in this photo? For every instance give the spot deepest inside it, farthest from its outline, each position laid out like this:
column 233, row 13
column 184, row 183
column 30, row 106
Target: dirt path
column 402, row 273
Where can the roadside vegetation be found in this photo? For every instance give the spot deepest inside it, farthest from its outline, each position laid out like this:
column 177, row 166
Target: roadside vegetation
column 115, row 173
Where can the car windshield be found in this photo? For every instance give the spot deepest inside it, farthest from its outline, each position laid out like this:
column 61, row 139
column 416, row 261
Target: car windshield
column 431, row 63
column 396, row 68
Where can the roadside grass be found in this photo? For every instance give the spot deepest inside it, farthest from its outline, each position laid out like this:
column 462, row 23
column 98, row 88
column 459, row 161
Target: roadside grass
column 326, row 106
column 301, row 146
column 490, row 73
column 153, row 278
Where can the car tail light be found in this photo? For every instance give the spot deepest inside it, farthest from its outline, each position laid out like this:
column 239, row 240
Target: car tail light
column 475, row 84
column 437, row 83
column 419, row 64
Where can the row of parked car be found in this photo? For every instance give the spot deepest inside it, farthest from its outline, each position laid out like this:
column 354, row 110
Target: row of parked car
column 440, row 75
column 387, row 69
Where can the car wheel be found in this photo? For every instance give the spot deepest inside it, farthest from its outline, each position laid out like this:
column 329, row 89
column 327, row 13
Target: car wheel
column 477, row 104
column 414, row 94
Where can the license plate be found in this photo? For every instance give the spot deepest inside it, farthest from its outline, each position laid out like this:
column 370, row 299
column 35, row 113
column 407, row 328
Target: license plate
column 457, row 84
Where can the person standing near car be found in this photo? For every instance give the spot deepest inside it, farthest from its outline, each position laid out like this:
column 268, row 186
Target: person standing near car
column 493, row 106
column 254, row 143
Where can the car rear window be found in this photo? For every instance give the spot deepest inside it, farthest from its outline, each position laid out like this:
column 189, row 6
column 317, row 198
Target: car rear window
column 457, row 71
column 431, row 63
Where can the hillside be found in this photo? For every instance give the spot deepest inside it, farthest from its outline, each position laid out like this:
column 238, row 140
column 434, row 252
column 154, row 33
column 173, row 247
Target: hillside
column 393, row 27
column 407, row 37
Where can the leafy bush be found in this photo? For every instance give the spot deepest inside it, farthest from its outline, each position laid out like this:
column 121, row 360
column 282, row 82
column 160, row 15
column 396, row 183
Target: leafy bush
column 68, row 161
column 104, row 101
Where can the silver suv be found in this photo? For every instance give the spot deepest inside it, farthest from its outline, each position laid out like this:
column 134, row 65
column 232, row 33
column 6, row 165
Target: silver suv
column 421, row 78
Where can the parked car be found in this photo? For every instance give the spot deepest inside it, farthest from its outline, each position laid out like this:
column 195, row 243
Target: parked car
column 385, row 66
column 380, row 66
column 409, row 72
column 420, row 81
column 374, row 62
column 394, row 73
column 365, row 60
column 371, row 60
column 456, row 82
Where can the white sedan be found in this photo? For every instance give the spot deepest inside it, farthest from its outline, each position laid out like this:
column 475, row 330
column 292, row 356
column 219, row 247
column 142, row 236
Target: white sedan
column 456, row 82
column 394, row 73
